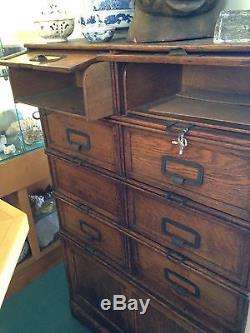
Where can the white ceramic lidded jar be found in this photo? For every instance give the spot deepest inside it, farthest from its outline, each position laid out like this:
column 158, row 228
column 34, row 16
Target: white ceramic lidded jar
column 116, row 13
column 54, row 23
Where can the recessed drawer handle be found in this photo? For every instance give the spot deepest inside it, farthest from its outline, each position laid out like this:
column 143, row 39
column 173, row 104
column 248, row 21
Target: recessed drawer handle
column 90, row 233
column 40, row 58
column 178, row 241
column 181, row 285
column 179, row 179
column 82, row 143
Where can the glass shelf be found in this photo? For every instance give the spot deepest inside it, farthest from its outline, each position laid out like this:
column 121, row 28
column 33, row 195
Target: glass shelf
column 19, row 131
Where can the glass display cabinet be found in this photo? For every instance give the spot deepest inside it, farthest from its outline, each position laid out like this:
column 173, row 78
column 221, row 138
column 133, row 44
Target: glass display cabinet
column 22, row 176
column 20, row 129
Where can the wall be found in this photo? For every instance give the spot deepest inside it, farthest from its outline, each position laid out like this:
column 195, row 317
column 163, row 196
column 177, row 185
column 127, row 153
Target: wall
column 17, row 17
column 238, row 4
column 16, row 21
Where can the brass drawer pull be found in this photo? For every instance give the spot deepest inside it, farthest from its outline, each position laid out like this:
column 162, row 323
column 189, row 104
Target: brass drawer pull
column 183, row 287
column 177, row 240
column 178, row 179
column 91, row 233
column 82, row 144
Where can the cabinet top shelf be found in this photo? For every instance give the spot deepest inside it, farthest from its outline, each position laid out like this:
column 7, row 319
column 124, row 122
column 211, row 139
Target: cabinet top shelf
column 120, row 43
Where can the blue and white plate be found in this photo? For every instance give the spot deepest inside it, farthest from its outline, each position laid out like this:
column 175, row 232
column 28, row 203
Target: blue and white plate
column 118, row 13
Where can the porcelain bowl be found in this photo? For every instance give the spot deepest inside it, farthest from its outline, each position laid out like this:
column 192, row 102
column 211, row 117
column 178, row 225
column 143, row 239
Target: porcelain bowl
column 98, row 34
column 55, row 29
column 116, row 18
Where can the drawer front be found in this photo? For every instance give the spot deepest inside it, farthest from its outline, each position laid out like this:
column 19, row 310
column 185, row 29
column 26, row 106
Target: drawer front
column 156, row 322
column 161, row 320
column 94, row 142
column 92, row 232
column 187, row 288
column 98, row 192
column 207, row 173
column 210, row 241
column 91, row 282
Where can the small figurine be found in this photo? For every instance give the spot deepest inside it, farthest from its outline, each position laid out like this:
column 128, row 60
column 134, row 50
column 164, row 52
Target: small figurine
column 23, row 124
column 2, row 146
column 11, row 149
column 3, row 139
column 32, row 135
column 30, row 128
column 3, row 142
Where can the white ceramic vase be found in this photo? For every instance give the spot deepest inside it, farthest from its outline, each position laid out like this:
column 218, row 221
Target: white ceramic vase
column 54, row 23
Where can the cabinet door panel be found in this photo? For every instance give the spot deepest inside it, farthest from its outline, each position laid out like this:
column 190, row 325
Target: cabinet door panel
column 97, row 91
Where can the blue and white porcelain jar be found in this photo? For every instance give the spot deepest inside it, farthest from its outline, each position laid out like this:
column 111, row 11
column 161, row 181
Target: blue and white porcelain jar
column 116, row 13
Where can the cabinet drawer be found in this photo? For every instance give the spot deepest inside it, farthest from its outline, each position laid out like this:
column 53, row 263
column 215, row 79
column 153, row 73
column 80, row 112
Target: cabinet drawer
column 156, row 322
column 188, row 289
column 207, row 172
column 212, row 242
column 91, row 282
column 92, row 232
column 103, row 194
column 64, row 81
column 94, row 142
column 161, row 320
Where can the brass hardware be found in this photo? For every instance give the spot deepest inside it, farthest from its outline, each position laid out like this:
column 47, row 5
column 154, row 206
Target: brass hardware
column 171, row 277
column 178, row 179
column 45, row 58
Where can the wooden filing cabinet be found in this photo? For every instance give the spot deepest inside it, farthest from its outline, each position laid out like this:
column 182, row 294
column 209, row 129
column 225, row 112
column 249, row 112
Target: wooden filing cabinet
column 149, row 154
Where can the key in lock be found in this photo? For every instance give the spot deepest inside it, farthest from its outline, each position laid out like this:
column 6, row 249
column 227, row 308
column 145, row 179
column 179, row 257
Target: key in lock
column 181, row 141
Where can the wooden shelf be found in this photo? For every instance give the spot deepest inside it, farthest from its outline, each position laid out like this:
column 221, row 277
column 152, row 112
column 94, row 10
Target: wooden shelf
column 28, row 171
column 69, row 100
column 226, row 108
column 191, row 93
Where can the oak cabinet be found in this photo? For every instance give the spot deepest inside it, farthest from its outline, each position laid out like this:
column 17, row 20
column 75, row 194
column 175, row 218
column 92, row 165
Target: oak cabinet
column 149, row 155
